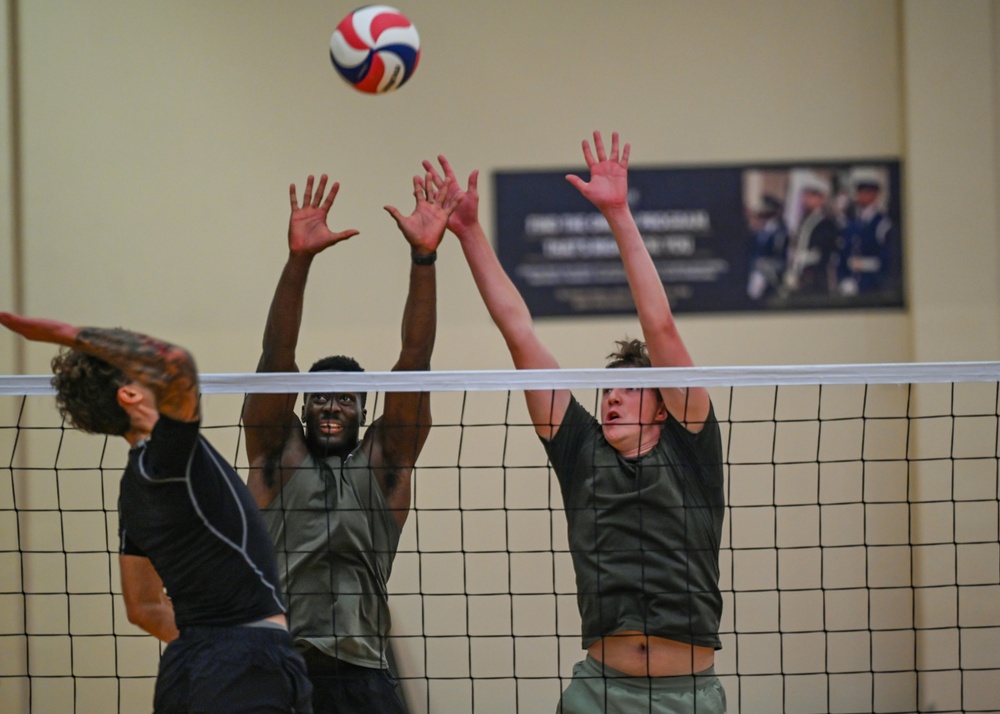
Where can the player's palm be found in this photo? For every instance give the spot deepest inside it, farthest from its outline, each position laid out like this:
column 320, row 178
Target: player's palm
column 466, row 213
column 424, row 227
column 308, row 233
column 608, row 185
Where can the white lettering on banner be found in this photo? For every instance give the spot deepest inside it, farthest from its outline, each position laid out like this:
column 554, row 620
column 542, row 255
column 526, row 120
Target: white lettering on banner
column 582, row 299
column 548, row 274
column 674, row 221
column 578, row 247
column 679, row 244
column 554, row 224
column 573, row 274
column 692, row 271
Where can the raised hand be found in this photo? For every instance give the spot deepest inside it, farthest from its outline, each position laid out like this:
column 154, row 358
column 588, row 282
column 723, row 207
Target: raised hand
column 608, row 185
column 424, row 228
column 40, row 330
column 308, row 233
column 466, row 213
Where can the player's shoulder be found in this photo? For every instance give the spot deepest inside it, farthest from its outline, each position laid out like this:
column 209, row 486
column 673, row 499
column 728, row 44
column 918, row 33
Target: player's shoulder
column 291, row 454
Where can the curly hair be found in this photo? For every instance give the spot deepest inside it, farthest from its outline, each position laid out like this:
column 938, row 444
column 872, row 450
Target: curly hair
column 630, row 353
column 87, row 393
column 340, row 363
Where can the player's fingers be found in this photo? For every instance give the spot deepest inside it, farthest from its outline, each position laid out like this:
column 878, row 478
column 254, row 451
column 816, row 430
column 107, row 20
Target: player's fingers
column 394, row 212
column 599, row 146
column 577, row 182
column 446, row 166
column 291, row 196
column 614, row 146
column 344, row 235
column 418, row 188
column 453, row 194
column 10, row 320
column 587, row 155
column 318, row 197
column 434, row 191
column 334, row 190
column 307, row 196
column 432, row 172
column 625, row 152
column 474, row 182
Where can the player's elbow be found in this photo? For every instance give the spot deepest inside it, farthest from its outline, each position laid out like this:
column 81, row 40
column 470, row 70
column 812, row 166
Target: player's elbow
column 413, row 359
column 156, row 619
column 137, row 614
column 182, row 363
column 277, row 358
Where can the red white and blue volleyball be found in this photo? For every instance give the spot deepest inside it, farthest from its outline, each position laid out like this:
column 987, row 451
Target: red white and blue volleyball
column 375, row 48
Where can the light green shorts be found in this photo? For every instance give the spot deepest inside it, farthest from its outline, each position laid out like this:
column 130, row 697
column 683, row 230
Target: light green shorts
column 598, row 689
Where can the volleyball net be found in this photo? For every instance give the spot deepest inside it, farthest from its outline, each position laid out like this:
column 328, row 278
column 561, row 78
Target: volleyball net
column 860, row 558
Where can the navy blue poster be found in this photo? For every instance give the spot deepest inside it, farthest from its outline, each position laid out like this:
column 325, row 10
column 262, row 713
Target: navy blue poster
column 724, row 239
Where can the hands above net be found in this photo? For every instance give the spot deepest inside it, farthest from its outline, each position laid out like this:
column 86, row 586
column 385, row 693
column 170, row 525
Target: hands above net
column 424, row 228
column 466, row 213
column 308, row 233
column 608, row 185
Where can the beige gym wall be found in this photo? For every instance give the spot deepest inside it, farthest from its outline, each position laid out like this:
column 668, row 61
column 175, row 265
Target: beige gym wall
column 159, row 140
column 8, row 266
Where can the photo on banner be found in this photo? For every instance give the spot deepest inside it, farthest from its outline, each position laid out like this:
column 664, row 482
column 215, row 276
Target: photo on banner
column 761, row 237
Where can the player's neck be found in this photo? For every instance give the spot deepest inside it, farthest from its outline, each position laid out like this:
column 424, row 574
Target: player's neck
column 645, row 440
column 342, row 451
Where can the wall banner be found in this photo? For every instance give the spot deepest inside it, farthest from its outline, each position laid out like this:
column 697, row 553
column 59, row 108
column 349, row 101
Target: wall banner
column 817, row 235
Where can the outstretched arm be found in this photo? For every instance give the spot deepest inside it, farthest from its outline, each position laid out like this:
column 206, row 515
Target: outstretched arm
column 399, row 435
column 608, row 190
column 268, row 417
column 167, row 370
column 505, row 304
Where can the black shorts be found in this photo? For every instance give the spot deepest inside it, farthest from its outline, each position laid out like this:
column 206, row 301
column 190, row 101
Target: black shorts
column 343, row 688
column 232, row 670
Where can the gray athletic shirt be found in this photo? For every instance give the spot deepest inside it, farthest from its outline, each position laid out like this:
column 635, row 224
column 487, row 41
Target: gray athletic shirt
column 335, row 539
column 644, row 533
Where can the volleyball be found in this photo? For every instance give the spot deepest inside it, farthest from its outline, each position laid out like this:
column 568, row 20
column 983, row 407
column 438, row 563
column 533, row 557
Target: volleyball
column 375, row 49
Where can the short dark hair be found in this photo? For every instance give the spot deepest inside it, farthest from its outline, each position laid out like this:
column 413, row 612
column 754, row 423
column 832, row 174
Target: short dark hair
column 340, row 363
column 87, row 393
column 630, row 353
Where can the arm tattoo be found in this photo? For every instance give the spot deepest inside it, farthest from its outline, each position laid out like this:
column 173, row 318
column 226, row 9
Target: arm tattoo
column 169, row 371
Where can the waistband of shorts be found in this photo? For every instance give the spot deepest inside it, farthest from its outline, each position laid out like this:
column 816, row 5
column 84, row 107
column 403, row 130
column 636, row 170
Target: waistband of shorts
column 266, row 623
column 682, row 682
column 256, row 628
